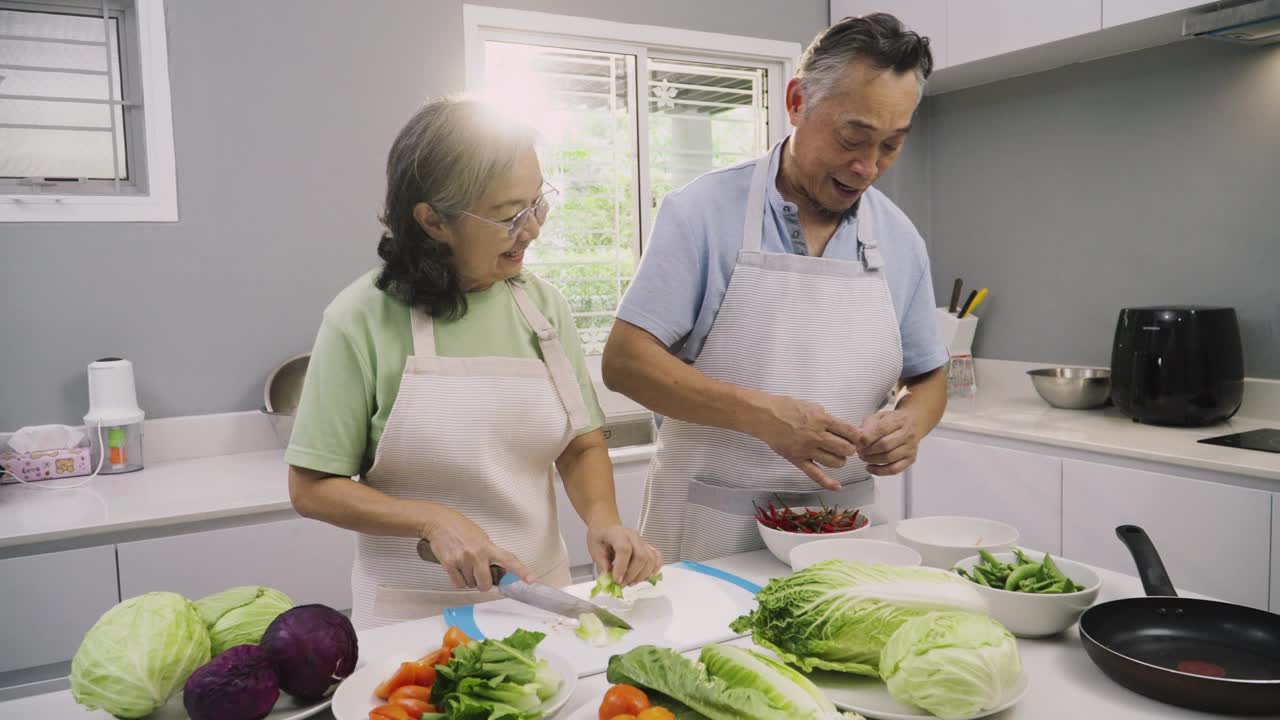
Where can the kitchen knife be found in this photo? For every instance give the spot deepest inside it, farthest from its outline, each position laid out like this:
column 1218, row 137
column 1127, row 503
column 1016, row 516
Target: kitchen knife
column 967, row 304
column 543, row 597
column 974, row 303
column 955, row 296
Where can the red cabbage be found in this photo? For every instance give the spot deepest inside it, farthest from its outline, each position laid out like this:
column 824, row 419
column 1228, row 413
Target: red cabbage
column 312, row 648
column 238, row 684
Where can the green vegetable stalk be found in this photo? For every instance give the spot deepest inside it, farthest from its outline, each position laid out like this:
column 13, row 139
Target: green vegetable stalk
column 606, row 585
column 494, row 680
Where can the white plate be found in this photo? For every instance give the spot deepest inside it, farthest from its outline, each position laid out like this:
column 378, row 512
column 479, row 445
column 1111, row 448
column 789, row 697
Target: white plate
column 870, row 697
column 354, row 698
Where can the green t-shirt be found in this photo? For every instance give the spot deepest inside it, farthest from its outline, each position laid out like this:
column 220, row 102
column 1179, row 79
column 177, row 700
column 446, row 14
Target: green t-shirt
column 354, row 372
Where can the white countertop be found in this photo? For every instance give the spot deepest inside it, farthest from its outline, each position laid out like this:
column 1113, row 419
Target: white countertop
column 1007, row 406
column 1064, row 682
column 165, row 494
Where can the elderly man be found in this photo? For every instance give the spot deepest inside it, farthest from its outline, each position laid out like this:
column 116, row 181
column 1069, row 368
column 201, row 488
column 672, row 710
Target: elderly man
column 780, row 306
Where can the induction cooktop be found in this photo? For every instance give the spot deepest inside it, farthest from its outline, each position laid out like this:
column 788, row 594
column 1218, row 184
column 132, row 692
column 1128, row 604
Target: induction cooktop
column 1266, row 439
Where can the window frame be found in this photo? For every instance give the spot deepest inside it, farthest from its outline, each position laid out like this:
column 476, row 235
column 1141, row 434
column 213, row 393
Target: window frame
column 150, row 195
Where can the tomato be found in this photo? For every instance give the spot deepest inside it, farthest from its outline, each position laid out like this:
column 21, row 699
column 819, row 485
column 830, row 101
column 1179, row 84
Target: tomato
column 623, row 717
column 656, row 713
column 439, row 657
column 414, row 706
column 416, row 692
column 622, row 700
column 406, row 674
column 424, row 675
column 390, row 712
column 455, row 637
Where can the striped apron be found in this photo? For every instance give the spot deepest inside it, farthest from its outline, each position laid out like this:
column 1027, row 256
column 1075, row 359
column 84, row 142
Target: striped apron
column 481, row 436
column 811, row 328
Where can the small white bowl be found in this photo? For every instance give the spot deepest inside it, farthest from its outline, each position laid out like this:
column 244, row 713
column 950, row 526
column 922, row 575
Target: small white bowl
column 872, row 552
column 945, row 540
column 781, row 542
column 1033, row 614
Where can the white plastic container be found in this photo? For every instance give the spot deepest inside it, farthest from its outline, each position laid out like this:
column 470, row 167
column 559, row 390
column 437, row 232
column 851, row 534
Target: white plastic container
column 114, row 420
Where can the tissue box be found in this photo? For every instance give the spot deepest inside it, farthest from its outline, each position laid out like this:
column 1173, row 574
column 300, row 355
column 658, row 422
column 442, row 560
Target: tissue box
column 45, row 464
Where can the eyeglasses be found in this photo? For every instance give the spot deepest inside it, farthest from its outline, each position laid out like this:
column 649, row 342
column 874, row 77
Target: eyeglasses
column 517, row 224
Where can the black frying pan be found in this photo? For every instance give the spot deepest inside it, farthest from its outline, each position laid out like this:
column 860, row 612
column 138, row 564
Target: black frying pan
column 1201, row 654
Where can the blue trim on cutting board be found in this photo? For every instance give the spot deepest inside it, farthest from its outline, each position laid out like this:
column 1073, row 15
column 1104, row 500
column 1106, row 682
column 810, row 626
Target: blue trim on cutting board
column 464, row 618
column 720, row 574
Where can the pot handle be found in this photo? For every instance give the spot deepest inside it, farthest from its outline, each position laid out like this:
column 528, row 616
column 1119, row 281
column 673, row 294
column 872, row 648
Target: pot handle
column 1155, row 579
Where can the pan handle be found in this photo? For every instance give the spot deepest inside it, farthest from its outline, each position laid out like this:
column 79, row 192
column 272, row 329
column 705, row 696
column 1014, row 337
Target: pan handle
column 1155, row 579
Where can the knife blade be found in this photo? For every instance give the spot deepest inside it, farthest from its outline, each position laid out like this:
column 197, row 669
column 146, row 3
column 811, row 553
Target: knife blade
column 539, row 595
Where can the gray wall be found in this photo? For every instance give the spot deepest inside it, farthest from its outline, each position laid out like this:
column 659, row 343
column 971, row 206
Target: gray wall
column 283, row 113
column 1148, row 178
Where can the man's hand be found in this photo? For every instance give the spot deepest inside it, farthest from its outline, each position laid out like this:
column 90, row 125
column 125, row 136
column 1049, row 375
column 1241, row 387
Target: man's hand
column 808, row 437
column 890, row 442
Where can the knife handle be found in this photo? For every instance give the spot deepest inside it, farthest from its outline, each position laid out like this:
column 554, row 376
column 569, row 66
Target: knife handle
column 425, row 552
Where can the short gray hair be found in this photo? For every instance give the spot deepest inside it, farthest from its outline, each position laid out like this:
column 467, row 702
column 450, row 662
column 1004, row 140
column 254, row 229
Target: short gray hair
column 449, row 154
column 880, row 39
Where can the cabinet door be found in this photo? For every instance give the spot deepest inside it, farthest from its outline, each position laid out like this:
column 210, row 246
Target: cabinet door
column 1213, row 539
column 1119, row 12
column 924, row 17
column 1275, row 553
column 307, row 560
column 628, row 483
column 50, row 601
column 956, row 477
column 978, row 29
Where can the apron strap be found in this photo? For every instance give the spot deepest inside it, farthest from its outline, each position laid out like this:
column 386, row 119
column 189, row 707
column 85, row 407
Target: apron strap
column 753, row 226
column 424, row 336
column 563, row 376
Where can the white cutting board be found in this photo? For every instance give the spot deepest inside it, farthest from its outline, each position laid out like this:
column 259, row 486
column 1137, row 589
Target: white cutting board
column 691, row 607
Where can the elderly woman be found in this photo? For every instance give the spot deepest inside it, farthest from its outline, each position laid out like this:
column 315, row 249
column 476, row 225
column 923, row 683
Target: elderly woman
column 450, row 380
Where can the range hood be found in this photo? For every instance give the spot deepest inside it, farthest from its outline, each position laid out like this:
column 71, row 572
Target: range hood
column 1253, row 23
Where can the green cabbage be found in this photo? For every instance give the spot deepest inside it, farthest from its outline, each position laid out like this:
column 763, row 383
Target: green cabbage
column 138, row 654
column 606, row 585
column 594, row 633
column 838, row 615
column 953, row 664
column 728, row 683
column 240, row 615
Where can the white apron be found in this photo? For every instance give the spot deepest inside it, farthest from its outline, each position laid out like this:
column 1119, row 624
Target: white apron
column 479, row 435
column 811, row 328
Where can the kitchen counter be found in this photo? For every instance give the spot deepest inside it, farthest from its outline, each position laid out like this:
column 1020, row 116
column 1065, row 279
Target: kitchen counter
column 1064, row 683
column 233, row 488
column 1007, row 406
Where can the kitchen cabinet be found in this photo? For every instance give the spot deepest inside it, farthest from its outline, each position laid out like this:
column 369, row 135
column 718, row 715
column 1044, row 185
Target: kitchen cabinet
column 978, row 29
column 1023, row 489
column 50, row 601
column 925, row 17
column 1214, row 539
column 307, row 560
column 628, row 483
column 1275, row 553
column 1119, row 12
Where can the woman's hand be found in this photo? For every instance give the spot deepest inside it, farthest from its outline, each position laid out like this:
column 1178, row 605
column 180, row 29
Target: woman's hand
column 466, row 552
column 623, row 552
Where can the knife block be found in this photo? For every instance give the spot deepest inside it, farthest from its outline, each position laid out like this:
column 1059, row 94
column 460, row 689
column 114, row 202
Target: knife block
column 957, row 335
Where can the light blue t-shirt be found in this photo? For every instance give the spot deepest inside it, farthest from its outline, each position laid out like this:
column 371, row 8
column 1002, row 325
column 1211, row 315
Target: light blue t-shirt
column 697, row 234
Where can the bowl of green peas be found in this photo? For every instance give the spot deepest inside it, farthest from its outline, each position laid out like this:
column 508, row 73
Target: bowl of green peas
column 1032, row 594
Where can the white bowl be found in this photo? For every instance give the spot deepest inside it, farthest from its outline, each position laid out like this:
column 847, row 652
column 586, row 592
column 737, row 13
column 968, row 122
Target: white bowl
column 872, row 552
column 781, row 542
column 945, row 540
column 1034, row 614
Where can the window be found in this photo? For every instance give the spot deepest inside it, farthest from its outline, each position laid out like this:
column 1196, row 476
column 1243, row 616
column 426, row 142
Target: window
column 625, row 114
column 85, row 131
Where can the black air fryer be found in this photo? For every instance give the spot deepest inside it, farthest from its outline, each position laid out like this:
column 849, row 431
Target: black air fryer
column 1177, row 365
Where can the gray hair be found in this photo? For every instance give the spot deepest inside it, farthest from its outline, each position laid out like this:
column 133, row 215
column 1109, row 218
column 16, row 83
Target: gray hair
column 880, row 39
column 449, row 154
